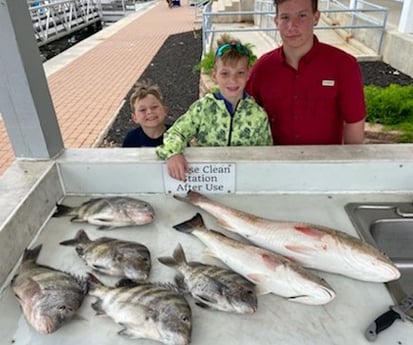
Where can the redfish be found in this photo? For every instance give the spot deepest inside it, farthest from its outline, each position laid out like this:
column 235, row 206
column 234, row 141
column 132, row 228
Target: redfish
column 271, row 273
column 312, row 246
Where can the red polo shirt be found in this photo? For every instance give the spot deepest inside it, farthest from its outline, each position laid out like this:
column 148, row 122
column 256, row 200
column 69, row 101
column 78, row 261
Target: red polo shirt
column 309, row 106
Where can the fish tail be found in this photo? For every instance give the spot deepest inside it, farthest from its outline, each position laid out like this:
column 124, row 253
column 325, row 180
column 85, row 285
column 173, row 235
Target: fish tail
column 177, row 258
column 179, row 254
column 191, row 224
column 62, row 210
column 81, row 237
column 32, row 254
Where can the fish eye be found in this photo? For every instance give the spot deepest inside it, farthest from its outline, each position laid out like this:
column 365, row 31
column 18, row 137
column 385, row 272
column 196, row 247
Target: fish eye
column 250, row 292
column 185, row 318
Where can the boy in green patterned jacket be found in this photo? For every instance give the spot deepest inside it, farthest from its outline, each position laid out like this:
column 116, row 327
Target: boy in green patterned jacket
column 227, row 118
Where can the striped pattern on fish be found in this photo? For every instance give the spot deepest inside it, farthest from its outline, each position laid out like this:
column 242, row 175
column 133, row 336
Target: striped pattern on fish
column 112, row 256
column 144, row 310
column 110, row 212
column 212, row 286
column 311, row 245
column 48, row 297
column 271, row 273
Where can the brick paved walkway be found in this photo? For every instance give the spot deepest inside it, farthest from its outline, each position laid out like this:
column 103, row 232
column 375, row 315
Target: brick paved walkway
column 88, row 91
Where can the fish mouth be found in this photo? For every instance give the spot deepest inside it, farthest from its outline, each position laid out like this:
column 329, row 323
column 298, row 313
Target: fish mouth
column 45, row 325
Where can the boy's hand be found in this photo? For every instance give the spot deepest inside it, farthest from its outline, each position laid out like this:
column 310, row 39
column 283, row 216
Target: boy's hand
column 177, row 167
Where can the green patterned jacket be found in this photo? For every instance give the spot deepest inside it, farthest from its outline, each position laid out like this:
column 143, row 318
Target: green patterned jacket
column 207, row 122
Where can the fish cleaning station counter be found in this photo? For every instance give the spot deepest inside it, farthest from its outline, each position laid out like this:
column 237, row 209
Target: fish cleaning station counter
column 310, row 184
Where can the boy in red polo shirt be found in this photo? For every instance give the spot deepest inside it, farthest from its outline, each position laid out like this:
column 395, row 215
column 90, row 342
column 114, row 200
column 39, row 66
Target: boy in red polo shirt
column 312, row 92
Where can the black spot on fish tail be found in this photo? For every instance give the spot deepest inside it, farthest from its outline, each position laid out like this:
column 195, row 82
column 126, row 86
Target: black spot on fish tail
column 62, row 210
column 189, row 225
column 32, row 254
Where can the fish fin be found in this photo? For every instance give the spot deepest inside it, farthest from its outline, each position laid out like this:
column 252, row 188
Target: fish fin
column 262, row 290
column 167, row 261
column 300, row 249
column 76, row 219
column 126, row 282
column 62, row 210
column 224, row 224
column 256, row 278
column 179, row 254
column 259, row 281
column 180, row 283
column 309, row 231
column 206, row 298
column 188, row 226
column 202, row 305
column 208, row 252
column 97, row 307
column 106, row 227
column 81, row 237
column 270, row 260
column 126, row 332
column 32, row 254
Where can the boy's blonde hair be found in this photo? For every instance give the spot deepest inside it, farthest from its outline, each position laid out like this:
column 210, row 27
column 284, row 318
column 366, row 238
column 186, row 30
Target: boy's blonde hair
column 232, row 56
column 143, row 89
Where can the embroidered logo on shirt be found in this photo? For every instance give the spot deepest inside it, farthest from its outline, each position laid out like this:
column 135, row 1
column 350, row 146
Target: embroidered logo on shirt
column 328, row 82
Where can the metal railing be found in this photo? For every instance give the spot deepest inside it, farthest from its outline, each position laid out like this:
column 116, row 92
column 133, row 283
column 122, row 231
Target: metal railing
column 365, row 16
column 54, row 19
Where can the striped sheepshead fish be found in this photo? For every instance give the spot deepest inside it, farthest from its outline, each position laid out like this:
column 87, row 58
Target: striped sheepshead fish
column 145, row 310
column 110, row 212
column 113, row 257
column 212, row 286
column 48, row 297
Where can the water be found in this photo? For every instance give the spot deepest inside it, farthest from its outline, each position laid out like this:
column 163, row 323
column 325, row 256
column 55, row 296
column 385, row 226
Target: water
column 56, row 47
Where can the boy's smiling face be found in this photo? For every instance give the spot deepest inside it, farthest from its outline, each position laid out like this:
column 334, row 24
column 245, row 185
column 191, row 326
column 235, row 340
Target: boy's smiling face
column 149, row 112
column 231, row 78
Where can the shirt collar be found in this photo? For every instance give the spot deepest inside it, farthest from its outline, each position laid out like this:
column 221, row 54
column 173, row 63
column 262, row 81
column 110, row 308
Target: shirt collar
column 308, row 56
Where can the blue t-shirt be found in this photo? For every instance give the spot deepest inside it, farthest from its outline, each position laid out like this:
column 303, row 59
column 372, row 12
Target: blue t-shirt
column 137, row 138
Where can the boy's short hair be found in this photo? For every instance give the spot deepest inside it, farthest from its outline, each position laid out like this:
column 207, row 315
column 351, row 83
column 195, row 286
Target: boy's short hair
column 143, row 89
column 314, row 5
column 231, row 50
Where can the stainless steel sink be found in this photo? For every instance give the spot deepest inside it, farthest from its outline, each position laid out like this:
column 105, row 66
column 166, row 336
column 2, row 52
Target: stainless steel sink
column 389, row 227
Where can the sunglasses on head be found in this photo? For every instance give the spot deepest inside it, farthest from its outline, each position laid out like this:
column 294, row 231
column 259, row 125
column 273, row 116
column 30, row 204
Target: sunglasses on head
column 238, row 47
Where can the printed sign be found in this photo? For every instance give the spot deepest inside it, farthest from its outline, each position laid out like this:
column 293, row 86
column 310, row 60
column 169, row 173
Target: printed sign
column 203, row 178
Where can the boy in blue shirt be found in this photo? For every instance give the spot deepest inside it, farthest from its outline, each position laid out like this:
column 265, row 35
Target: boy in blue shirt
column 149, row 112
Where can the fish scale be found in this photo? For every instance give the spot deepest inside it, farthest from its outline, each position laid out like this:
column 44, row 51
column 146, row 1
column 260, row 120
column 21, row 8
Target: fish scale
column 112, row 256
column 212, row 286
column 270, row 272
column 145, row 310
column 48, row 297
column 311, row 245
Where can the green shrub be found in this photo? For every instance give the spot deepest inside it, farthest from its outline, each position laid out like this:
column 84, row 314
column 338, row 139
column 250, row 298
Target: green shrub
column 392, row 107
